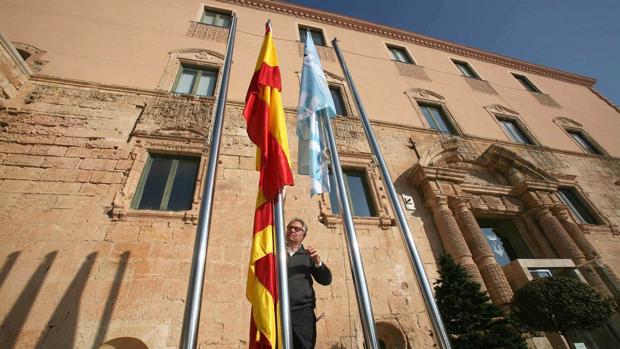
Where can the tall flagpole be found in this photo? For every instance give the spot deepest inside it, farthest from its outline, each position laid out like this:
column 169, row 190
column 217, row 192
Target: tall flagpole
column 281, row 254
column 414, row 257
column 189, row 335
column 355, row 259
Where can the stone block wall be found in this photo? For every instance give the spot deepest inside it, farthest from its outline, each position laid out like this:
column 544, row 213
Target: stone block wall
column 80, row 267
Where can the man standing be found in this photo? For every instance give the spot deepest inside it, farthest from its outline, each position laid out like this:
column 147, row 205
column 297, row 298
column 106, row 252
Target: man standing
column 303, row 265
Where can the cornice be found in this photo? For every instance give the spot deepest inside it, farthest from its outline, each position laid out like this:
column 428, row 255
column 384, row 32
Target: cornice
column 418, row 39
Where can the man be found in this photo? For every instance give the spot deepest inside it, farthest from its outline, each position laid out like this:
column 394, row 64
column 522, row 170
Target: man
column 303, row 265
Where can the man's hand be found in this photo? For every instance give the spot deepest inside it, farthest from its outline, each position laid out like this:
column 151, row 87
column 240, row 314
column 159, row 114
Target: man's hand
column 314, row 255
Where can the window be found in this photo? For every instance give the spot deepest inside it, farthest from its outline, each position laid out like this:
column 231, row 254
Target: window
column 514, row 130
column 216, row 18
column 399, row 54
column 465, row 69
column 317, row 35
column 336, row 93
column 195, row 81
column 436, row 118
column 505, row 240
column 526, row 83
column 167, row 183
column 583, row 142
column 572, row 200
column 359, row 195
column 540, row 273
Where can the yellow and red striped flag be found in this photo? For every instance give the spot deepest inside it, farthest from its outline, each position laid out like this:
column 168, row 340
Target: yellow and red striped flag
column 266, row 125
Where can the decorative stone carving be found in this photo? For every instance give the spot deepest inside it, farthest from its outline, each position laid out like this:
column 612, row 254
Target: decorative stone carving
column 480, row 86
column 34, row 56
column 557, row 235
column 452, row 237
column 412, row 71
column 491, row 272
column 566, row 122
column 350, row 135
column 449, row 150
column 500, row 109
column 424, row 94
column 174, row 114
column 561, row 212
column 326, row 53
column 207, row 32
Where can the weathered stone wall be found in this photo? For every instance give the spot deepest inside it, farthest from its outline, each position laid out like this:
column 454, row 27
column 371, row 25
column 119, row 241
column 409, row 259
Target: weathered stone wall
column 80, row 266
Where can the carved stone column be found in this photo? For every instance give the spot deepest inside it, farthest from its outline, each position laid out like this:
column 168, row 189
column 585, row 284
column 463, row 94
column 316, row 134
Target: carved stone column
column 483, row 256
column 562, row 243
column 561, row 212
column 451, row 236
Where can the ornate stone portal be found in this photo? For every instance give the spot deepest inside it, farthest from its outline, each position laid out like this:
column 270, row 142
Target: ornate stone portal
column 498, row 184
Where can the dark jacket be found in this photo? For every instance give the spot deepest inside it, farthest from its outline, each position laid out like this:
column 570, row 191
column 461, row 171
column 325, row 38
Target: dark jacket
column 301, row 270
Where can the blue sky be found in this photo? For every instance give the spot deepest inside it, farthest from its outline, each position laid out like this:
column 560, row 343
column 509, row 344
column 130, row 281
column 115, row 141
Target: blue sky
column 578, row 36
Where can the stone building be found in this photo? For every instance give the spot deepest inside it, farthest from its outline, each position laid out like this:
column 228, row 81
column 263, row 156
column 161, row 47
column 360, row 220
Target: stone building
column 105, row 109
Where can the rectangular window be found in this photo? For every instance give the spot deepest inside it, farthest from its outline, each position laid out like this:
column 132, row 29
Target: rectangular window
column 465, row 69
column 514, row 131
column 167, row 183
column 338, row 100
column 505, row 240
column 436, row 118
column 216, row 18
column 526, row 83
column 317, row 35
column 399, row 54
column 572, row 200
column 583, row 142
column 359, row 195
column 195, row 81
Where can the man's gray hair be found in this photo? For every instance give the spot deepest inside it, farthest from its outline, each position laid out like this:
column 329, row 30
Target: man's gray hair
column 304, row 227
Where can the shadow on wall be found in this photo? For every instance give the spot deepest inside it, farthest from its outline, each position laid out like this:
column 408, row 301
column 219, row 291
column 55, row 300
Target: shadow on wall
column 124, row 343
column 61, row 329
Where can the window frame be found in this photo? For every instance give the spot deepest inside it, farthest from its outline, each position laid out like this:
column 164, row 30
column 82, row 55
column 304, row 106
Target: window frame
column 520, row 126
column 465, row 69
column 217, row 13
column 341, row 95
column 196, row 82
column 313, row 30
column 408, row 58
column 587, row 139
column 448, row 119
column 346, row 172
column 518, row 244
column 165, row 201
column 525, row 82
column 361, row 163
column 588, row 209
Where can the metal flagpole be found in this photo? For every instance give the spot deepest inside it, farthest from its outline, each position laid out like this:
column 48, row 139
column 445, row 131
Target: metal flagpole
column 414, row 257
column 281, row 254
column 189, row 335
column 357, row 268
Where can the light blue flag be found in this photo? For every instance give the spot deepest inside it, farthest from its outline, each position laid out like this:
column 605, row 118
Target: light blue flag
column 315, row 100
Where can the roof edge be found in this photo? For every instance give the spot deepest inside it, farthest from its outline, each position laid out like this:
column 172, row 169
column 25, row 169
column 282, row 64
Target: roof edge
column 418, row 39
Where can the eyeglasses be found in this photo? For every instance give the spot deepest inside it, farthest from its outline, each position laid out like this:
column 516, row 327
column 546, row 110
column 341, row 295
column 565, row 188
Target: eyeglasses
column 294, row 228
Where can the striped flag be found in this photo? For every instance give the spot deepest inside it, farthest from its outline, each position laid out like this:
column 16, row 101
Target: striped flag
column 314, row 101
column 266, row 125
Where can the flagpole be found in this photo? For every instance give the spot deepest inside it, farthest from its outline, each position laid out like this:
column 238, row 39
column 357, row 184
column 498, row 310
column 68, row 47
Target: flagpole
column 414, row 257
column 189, row 335
column 281, row 254
column 355, row 259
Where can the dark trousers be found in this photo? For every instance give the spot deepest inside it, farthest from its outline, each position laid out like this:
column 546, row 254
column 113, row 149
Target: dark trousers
column 303, row 323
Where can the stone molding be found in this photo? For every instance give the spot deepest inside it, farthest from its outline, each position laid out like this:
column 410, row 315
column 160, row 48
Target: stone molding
column 326, row 53
column 500, row 109
column 412, row 71
column 376, row 189
column 417, row 39
column 121, row 206
column 480, row 86
column 207, row 32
